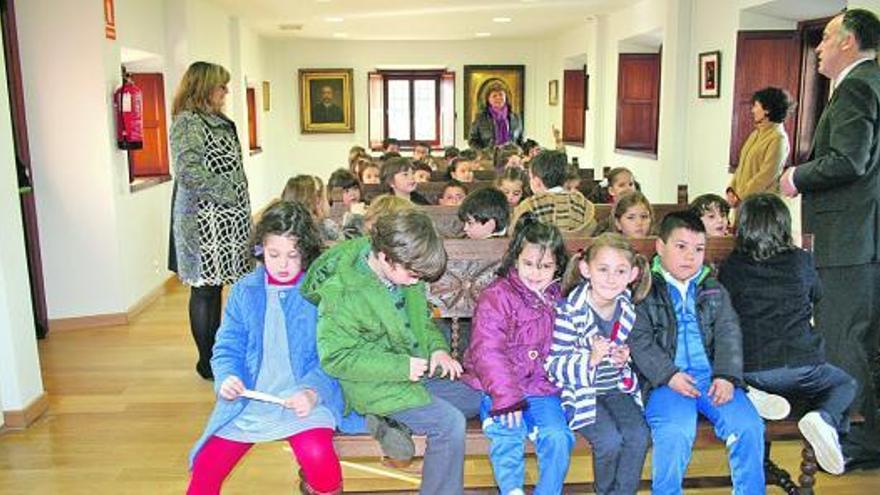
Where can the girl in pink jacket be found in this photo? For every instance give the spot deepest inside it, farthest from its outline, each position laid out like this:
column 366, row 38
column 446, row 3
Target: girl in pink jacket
column 511, row 337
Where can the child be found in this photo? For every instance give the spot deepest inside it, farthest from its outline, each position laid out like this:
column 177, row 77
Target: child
column 461, row 169
column 687, row 346
column 390, row 145
column 773, row 285
column 375, row 334
column 369, row 173
column 344, row 184
column 485, row 214
column 713, row 211
column 567, row 210
column 421, row 152
column 508, row 156
column 617, row 182
column 450, row 153
column 421, row 171
column 397, row 176
column 383, row 204
column 632, row 215
column 511, row 183
column 572, row 179
column 266, row 343
column 309, row 190
column 590, row 361
column 453, row 193
column 511, row 335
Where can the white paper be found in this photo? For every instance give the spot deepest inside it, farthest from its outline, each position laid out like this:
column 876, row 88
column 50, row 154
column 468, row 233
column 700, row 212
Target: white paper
column 253, row 394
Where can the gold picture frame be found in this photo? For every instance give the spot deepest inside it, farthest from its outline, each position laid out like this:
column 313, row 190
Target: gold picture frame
column 479, row 78
column 326, row 101
column 553, row 97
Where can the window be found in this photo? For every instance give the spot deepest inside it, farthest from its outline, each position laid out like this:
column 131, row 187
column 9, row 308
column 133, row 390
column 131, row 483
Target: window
column 574, row 104
column 638, row 102
column 152, row 159
column 253, row 142
column 412, row 106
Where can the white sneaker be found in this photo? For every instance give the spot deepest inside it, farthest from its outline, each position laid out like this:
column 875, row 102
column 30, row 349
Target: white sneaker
column 823, row 439
column 770, row 406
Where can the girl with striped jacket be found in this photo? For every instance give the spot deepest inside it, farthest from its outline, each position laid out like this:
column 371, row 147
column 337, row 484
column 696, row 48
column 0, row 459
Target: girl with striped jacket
column 589, row 359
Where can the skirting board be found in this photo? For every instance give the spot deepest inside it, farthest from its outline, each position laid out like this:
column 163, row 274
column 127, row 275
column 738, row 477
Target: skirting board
column 113, row 319
column 21, row 419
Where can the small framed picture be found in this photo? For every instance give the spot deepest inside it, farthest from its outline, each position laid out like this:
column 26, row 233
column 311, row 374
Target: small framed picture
column 710, row 75
column 326, row 101
column 266, row 96
column 553, row 97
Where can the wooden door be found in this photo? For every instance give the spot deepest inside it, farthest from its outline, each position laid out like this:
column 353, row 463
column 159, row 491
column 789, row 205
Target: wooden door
column 152, row 159
column 763, row 58
column 638, row 102
column 815, row 89
column 23, row 167
column 574, row 98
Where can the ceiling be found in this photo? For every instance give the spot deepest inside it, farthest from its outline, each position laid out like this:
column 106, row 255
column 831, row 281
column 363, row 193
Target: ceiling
column 800, row 10
column 417, row 19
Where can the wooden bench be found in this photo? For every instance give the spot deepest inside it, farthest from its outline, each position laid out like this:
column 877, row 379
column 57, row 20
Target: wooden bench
column 472, row 266
column 430, row 190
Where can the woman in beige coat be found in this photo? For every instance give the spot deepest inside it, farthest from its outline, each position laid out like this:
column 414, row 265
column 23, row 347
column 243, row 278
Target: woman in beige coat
column 766, row 149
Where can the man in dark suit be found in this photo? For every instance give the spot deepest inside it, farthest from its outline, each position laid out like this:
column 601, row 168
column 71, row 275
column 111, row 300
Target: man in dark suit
column 326, row 111
column 841, row 207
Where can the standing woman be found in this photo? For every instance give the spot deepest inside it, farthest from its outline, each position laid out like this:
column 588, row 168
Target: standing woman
column 211, row 213
column 764, row 153
column 496, row 125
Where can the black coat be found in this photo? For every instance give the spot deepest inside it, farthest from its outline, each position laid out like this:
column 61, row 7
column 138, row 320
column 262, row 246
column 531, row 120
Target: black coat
column 482, row 133
column 774, row 300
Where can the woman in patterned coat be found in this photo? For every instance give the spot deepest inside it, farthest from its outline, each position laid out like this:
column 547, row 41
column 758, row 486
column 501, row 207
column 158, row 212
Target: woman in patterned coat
column 211, row 213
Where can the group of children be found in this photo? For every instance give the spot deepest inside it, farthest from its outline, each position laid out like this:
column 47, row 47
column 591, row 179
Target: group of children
column 622, row 350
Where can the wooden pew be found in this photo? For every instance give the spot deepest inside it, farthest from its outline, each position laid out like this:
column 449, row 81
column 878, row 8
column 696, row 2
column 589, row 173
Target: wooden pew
column 471, row 267
column 430, row 190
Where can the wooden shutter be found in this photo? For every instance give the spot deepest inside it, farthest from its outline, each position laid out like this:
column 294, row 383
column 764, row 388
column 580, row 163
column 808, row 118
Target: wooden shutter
column 763, row 58
column 638, row 102
column 573, row 106
column 152, row 159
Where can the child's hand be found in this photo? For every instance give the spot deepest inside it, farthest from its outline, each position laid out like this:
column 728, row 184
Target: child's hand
column 302, row 402
column 599, row 348
column 417, row 368
column 231, row 388
column 511, row 419
column 358, row 208
column 683, row 383
column 619, row 355
column 721, row 391
column 446, row 363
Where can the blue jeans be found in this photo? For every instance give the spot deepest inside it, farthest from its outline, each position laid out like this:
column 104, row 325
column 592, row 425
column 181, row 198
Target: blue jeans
column 443, row 421
column 673, row 421
column 826, row 386
column 619, row 438
column 543, row 423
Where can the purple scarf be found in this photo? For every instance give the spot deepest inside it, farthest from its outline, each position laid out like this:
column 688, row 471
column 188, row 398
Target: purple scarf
column 502, row 126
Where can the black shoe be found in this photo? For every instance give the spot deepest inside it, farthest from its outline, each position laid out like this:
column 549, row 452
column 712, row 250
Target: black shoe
column 394, row 438
column 205, row 371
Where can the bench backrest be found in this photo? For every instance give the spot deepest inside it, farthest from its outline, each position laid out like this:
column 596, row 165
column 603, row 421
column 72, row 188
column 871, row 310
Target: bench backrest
column 430, row 190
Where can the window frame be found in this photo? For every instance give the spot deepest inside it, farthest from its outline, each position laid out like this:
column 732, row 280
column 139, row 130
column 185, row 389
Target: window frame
column 411, row 76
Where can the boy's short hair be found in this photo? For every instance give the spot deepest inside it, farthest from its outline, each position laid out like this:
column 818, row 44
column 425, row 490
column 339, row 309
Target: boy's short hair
column 550, row 166
column 528, row 145
column 450, row 152
column 484, row 205
column 682, row 219
column 455, row 163
column 389, row 142
column 454, row 183
column 392, row 167
column 409, row 238
column 705, row 202
column 343, row 179
column 421, row 165
column 468, row 154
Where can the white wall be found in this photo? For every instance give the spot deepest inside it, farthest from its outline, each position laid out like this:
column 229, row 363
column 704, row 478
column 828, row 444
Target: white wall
column 320, row 154
column 20, row 380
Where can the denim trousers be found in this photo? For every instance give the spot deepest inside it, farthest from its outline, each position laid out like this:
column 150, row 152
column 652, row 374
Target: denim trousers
column 827, row 388
column 619, row 438
column 673, row 421
column 544, row 423
column 443, row 421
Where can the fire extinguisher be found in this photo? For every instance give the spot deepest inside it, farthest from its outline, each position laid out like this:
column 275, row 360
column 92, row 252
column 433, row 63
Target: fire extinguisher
column 128, row 104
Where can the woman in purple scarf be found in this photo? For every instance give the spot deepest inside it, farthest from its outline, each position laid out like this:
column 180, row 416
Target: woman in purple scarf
column 497, row 124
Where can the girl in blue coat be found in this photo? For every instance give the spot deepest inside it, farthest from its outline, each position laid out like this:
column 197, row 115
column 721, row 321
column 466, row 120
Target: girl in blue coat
column 266, row 344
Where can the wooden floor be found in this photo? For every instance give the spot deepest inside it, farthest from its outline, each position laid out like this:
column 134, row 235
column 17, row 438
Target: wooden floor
column 126, row 406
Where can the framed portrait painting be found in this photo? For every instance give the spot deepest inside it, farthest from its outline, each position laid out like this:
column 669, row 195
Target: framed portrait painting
column 479, row 78
column 326, row 101
column 710, row 75
column 553, row 96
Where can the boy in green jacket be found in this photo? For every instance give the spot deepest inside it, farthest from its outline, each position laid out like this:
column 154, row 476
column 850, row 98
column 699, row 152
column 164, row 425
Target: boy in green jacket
column 376, row 336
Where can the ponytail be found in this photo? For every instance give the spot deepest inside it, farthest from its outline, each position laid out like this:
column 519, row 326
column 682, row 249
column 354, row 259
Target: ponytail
column 639, row 287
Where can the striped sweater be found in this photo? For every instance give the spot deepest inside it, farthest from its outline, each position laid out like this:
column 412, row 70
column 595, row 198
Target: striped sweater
column 568, row 364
